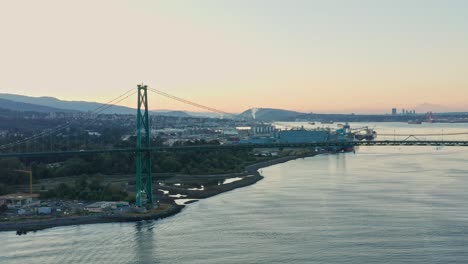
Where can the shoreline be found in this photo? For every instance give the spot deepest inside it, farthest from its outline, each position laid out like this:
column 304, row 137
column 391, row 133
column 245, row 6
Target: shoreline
column 250, row 177
column 24, row 227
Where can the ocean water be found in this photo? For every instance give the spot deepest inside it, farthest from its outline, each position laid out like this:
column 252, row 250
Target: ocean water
column 380, row 205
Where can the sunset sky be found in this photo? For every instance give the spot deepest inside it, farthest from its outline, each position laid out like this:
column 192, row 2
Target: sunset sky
column 362, row 56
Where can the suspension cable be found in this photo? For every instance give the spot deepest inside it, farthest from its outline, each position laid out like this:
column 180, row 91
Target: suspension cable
column 91, row 121
column 185, row 101
column 48, row 132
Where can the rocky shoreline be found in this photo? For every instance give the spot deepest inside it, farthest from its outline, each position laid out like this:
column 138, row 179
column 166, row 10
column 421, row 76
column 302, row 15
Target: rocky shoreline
column 249, row 177
column 23, row 227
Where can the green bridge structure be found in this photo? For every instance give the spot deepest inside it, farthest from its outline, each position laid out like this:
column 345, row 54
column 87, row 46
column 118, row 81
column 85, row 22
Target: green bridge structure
column 433, row 143
column 143, row 150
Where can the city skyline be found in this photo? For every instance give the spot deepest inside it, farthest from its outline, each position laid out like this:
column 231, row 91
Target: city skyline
column 309, row 56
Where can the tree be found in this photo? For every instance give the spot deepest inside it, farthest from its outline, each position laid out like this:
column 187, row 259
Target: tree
column 3, row 189
column 8, row 175
column 3, row 208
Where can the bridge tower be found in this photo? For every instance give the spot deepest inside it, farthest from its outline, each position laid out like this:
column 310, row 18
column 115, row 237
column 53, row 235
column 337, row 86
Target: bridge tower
column 143, row 153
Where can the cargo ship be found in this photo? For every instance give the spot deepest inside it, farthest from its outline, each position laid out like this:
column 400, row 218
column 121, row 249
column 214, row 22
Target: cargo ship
column 301, row 135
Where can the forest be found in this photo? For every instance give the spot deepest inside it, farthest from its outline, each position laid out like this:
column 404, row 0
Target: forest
column 193, row 162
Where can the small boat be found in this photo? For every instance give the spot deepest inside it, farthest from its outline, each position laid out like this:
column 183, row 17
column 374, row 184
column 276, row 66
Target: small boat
column 413, row 122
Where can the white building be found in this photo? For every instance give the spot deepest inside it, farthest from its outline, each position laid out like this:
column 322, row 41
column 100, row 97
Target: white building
column 263, row 130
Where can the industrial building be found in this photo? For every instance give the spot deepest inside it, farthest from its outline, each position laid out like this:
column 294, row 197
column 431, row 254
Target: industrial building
column 18, row 200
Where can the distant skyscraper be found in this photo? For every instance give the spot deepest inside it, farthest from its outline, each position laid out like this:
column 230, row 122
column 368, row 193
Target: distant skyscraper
column 394, row 111
column 403, row 111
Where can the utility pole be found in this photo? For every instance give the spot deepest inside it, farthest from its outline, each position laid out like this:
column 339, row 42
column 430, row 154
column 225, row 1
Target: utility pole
column 143, row 152
column 29, row 172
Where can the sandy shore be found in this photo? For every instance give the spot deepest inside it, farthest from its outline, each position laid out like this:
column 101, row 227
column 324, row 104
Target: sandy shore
column 248, row 177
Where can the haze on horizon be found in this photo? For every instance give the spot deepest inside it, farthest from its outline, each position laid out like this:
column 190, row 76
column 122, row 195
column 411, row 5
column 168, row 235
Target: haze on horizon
column 314, row 56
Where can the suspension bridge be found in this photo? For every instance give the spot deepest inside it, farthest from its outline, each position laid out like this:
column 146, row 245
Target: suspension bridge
column 143, row 149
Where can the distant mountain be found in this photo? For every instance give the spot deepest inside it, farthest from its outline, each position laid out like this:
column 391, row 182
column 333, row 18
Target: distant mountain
column 193, row 114
column 66, row 105
column 26, row 107
column 270, row 114
column 207, row 115
column 171, row 113
column 51, row 104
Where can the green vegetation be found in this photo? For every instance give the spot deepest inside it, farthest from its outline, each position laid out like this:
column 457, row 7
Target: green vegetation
column 184, row 162
column 87, row 190
column 204, row 162
column 193, row 161
column 9, row 174
column 3, row 189
column 3, row 208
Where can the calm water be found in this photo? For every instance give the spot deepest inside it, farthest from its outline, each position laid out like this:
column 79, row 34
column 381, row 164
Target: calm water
column 380, row 205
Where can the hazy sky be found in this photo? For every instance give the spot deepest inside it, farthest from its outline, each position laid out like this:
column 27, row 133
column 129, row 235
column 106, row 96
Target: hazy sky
column 307, row 55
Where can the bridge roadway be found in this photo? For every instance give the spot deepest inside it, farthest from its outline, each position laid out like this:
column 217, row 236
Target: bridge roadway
column 240, row 146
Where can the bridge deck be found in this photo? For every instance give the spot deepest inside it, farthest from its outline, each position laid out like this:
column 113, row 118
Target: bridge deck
column 241, row 146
